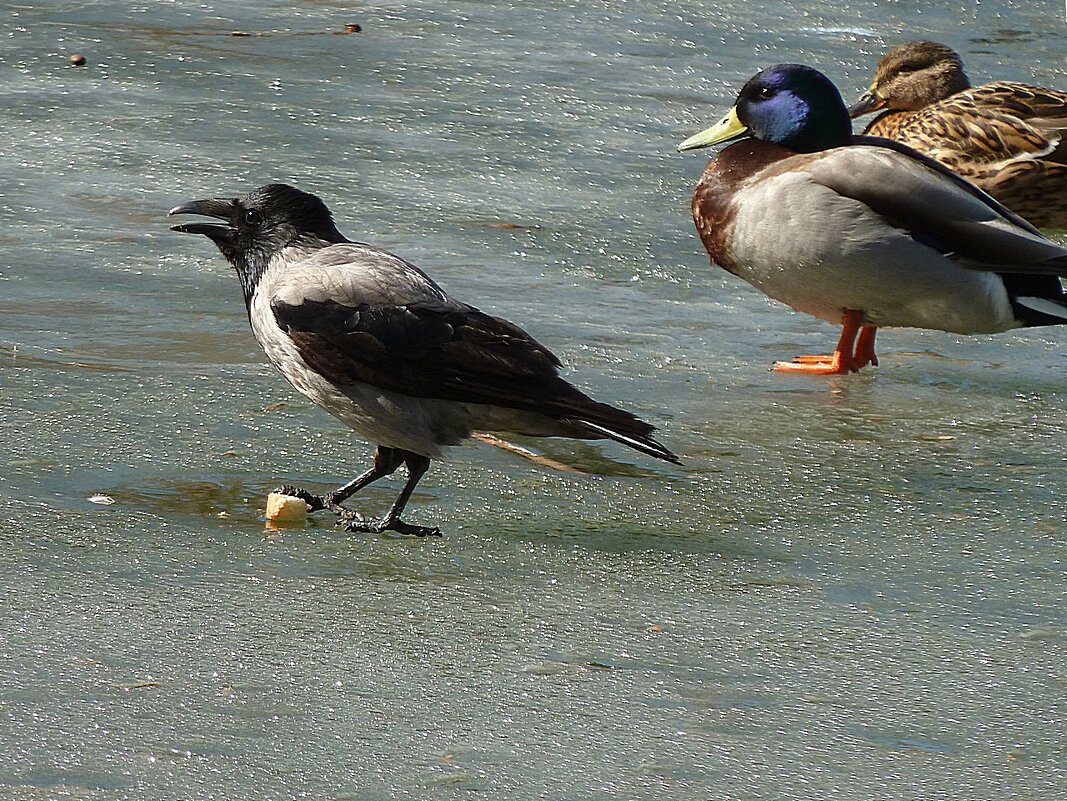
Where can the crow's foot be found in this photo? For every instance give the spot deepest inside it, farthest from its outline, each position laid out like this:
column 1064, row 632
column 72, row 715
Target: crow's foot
column 351, row 520
column 316, row 503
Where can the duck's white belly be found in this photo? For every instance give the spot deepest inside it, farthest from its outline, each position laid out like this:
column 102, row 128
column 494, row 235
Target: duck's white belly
column 823, row 253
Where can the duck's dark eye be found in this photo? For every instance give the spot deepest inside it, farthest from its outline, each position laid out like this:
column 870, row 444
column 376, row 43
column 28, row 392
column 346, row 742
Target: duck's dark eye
column 765, row 92
column 252, row 217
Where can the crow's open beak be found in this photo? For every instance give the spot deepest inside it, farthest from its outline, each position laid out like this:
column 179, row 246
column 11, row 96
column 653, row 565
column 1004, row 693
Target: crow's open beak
column 219, row 208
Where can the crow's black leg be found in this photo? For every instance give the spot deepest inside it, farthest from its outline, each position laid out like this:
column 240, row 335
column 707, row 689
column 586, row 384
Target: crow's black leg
column 386, row 461
column 417, row 466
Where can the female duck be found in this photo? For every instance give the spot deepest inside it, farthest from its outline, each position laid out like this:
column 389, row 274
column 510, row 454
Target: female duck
column 862, row 231
column 1005, row 137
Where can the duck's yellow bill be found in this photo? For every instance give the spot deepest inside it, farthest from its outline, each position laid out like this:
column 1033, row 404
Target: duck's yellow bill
column 729, row 127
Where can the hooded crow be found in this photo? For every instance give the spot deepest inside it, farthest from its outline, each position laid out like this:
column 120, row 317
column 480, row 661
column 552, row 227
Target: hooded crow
column 375, row 342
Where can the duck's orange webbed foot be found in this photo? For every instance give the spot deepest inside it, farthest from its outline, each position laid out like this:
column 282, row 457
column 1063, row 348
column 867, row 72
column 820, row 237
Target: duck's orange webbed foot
column 832, row 364
column 849, row 356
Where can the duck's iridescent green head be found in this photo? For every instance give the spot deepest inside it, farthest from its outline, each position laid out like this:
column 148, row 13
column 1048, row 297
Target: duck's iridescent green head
column 790, row 105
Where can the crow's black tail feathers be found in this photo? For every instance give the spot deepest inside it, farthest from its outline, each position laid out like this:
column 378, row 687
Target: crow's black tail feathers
column 639, row 442
column 606, row 422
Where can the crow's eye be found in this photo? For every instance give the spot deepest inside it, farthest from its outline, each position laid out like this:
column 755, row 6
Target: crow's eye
column 252, row 217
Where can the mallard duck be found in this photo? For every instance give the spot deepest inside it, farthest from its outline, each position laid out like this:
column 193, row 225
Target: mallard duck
column 861, row 230
column 1004, row 137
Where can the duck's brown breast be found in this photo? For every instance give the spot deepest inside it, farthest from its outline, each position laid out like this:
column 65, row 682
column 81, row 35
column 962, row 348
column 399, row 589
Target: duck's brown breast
column 726, row 174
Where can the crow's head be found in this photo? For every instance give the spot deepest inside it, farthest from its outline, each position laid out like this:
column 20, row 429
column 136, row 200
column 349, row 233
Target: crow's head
column 262, row 223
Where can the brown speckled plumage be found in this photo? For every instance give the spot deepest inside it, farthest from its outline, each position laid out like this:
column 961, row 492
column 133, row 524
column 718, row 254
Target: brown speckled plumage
column 1005, row 137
